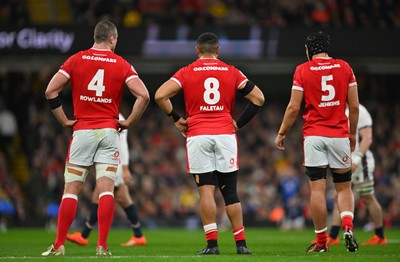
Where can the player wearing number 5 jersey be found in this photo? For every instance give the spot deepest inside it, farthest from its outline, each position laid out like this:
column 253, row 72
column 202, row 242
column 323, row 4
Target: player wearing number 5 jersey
column 97, row 79
column 326, row 85
column 210, row 87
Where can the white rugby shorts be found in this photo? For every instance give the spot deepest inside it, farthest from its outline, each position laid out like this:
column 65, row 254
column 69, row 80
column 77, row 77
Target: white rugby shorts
column 207, row 153
column 326, row 151
column 363, row 176
column 94, row 146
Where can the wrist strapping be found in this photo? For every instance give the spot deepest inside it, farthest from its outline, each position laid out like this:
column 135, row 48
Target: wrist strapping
column 174, row 115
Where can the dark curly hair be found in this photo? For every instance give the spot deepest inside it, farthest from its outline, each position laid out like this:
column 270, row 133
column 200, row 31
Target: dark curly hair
column 316, row 43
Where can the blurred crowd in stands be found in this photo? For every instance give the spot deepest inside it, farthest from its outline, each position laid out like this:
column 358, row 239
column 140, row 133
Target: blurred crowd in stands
column 272, row 185
column 270, row 13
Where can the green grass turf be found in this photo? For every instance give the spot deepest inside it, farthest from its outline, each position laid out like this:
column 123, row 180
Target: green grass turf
column 176, row 245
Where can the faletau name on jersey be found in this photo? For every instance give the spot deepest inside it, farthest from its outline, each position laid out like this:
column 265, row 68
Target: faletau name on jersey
column 324, row 67
column 326, row 104
column 96, row 99
column 211, row 108
column 98, row 58
column 210, row 68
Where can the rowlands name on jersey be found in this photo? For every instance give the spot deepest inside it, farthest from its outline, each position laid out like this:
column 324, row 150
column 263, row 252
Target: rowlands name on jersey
column 96, row 99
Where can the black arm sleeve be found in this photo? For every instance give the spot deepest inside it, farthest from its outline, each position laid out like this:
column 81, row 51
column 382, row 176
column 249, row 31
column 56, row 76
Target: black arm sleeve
column 247, row 88
column 250, row 111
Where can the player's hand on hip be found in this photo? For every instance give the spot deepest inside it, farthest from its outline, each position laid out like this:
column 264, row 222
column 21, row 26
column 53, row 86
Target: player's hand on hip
column 122, row 125
column 279, row 142
column 69, row 123
column 181, row 125
column 235, row 125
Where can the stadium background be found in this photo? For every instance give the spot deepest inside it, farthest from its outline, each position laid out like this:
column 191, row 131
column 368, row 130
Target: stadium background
column 263, row 38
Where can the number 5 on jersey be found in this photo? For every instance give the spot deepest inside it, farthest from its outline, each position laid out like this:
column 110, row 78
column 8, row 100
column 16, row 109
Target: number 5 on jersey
column 329, row 88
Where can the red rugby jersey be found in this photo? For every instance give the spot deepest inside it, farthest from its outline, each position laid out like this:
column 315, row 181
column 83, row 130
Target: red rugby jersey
column 325, row 83
column 97, row 80
column 209, row 88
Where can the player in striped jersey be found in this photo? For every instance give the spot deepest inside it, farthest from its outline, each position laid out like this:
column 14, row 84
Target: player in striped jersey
column 363, row 166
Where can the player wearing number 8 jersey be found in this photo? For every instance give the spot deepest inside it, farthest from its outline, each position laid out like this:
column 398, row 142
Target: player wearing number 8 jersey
column 210, row 87
column 326, row 85
column 97, row 79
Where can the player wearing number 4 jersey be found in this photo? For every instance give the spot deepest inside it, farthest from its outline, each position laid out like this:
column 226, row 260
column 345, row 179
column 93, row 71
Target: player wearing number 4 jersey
column 326, row 85
column 210, row 87
column 123, row 178
column 97, row 79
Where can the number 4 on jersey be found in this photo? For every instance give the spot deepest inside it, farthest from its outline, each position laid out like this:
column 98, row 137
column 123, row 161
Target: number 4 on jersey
column 96, row 84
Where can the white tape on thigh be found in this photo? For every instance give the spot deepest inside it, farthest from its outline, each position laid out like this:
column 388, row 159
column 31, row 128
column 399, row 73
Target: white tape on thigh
column 75, row 173
column 106, row 170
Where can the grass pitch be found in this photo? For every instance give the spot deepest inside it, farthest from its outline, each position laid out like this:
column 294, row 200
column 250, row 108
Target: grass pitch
column 267, row 244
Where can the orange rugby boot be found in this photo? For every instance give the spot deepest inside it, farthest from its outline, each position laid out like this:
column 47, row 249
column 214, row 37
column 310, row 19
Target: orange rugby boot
column 375, row 240
column 333, row 241
column 135, row 241
column 77, row 238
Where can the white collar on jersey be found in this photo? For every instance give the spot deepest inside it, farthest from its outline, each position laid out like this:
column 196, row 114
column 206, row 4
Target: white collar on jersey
column 101, row 49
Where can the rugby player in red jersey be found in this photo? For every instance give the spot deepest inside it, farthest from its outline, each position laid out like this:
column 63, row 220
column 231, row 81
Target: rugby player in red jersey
column 97, row 78
column 325, row 85
column 123, row 178
column 209, row 87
